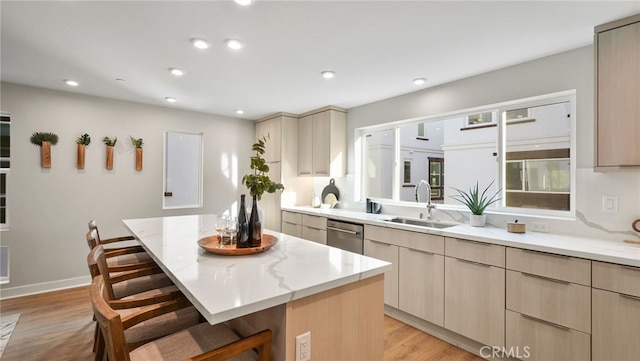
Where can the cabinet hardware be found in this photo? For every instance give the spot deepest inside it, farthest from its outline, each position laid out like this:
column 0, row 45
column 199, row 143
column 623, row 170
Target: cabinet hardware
column 545, row 278
column 635, row 298
column 472, row 262
column 341, row 230
column 317, row 229
column 378, row 242
column 546, row 322
column 545, row 254
column 475, row 242
column 421, row 251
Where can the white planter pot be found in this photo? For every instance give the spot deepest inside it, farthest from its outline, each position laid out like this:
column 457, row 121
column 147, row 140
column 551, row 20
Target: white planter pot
column 477, row 220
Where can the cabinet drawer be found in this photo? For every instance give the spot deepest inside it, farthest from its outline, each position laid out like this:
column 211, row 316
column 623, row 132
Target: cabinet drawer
column 563, row 303
column 617, row 278
column 291, row 217
column 314, row 221
column 292, row 229
column 565, row 268
column 414, row 240
column 615, row 326
column 486, row 253
column 535, row 339
column 314, row 234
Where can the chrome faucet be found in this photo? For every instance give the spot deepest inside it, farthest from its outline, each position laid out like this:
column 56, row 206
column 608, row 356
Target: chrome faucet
column 430, row 205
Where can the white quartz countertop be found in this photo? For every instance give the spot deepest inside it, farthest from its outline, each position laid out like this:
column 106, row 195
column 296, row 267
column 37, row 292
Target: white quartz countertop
column 590, row 248
column 226, row 287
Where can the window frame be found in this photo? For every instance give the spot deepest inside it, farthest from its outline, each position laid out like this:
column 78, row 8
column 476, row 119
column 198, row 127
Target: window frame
column 6, row 171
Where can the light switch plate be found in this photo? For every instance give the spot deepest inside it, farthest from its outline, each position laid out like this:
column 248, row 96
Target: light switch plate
column 609, row 204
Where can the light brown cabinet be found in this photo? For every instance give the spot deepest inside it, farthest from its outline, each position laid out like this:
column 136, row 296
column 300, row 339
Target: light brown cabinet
column 314, row 228
column 390, row 253
column 616, row 312
column 322, row 142
column 292, row 224
column 548, row 301
column 474, row 290
column 617, row 90
column 421, row 285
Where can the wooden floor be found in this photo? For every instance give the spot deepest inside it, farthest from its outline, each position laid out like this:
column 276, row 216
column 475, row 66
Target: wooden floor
column 59, row 326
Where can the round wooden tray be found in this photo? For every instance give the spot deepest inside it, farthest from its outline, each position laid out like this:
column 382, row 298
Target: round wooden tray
column 212, row 244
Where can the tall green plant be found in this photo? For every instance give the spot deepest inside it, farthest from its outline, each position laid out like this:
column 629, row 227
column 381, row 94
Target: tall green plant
column 39, row 137
column 259, row 182
column 476, row 201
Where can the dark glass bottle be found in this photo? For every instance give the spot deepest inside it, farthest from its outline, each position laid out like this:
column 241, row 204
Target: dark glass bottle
column 255, row 226
column 242, row 228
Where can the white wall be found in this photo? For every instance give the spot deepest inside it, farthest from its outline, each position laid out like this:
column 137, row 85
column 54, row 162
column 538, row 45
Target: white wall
column 49, row 208
column 560, row 72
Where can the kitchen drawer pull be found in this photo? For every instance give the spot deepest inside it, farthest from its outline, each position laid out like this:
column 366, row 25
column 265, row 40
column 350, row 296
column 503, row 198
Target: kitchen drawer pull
column 472, row 262
column 379, row 242
column 631, row 268
column 545, row 254
column 635, row 298
column 421, row 251
column 342, row 230
column 545, row 278
column 474, row 242
column 546, row 322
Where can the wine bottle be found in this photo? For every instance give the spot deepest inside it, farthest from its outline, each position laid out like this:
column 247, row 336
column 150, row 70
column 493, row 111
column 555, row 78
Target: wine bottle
column 255, row 226
column 242, row 226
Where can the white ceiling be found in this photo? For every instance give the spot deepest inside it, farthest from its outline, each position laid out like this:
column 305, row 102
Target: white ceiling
column 376, row 48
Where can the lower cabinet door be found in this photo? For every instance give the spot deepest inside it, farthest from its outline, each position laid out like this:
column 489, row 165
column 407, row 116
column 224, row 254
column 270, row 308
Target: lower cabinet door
column 532, row 339
column 314, row 234
column 389, row 253
column 292, row 229
column 615, row 330
column 474, row 301
column 421, row 285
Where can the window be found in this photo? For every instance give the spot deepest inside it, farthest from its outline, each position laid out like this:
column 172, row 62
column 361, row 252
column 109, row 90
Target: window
column 524, row 146
column 5, row 165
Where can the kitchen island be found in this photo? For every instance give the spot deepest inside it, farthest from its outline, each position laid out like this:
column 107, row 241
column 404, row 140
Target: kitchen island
column 295, row 287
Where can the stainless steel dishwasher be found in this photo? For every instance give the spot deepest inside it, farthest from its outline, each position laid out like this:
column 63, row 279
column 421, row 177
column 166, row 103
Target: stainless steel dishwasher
column 345, row 235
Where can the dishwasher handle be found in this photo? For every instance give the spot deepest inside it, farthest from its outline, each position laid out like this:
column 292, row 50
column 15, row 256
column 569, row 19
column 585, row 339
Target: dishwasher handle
column 342, row 230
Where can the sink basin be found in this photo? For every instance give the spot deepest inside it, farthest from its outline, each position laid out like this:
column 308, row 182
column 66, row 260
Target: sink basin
column 421, row 222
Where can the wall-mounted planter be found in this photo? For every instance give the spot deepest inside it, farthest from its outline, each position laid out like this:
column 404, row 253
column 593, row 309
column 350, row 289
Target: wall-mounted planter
column 138, row 159
column 109, row 164
column 80, row 159
column 45, row 155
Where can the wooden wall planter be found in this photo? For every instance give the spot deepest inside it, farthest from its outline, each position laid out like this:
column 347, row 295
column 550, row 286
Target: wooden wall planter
column 45, row 155
column 109, row 157
column 80, row 159
column 138, row 159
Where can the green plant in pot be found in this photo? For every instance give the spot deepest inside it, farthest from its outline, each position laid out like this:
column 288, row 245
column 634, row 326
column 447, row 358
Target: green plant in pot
column 110, row 143
column 477, row 202
column 258, row 183
column 44, row 140
column 137, row 144
column 82, row 142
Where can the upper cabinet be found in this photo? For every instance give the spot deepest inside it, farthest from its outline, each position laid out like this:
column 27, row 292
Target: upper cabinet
column 322, row 142
column 617, row 90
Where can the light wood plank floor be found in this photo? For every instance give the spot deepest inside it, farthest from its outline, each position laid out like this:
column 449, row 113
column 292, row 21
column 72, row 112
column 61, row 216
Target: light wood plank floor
column 59, row 326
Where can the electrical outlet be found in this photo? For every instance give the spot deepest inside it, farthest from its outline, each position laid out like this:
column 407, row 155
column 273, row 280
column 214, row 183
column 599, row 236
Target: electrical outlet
column 303, row 347
column 540, row 227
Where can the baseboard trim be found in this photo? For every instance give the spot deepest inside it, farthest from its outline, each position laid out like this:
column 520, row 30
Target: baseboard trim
column 20, row 291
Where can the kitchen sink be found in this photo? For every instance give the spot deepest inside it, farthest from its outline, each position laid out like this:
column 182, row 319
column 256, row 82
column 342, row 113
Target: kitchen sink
column 422, row 222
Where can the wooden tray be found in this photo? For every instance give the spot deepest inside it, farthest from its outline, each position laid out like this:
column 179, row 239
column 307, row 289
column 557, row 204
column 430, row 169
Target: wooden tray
column 212, row 243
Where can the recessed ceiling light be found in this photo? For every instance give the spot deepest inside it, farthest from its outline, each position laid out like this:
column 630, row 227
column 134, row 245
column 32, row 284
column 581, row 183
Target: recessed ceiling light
column 200, row 43
column 234, row 44
column 171, row 99
column 70, row 82
column 419, row 81
column 239, row 111
column 244, row 2
column 176, row 71
column 328, row 74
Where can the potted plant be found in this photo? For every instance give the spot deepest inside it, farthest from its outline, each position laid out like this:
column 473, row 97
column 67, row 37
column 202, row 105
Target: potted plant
column 44, row 140
column 137, row 144
column 82, row 141
column 110, row 143
column 258, row 183
column 476, row 202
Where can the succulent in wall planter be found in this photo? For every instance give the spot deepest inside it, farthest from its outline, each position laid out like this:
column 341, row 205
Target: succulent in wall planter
column 110, row 143
column 137, row 144
column 476, row 202
column 81, row 142
column 44, row 140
